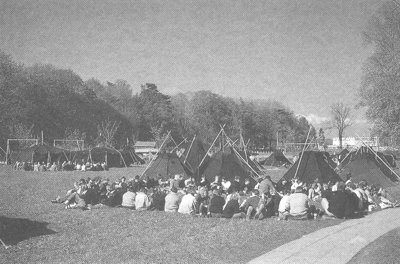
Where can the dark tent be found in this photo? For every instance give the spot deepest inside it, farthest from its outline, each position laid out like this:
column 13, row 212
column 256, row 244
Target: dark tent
column 364, row 164
column 165, row 166
column 276, row 159
column 112, row 157
column 313, row 165
column 194, row 154
column 131, row 157
column 39, row 153
column 226, row 164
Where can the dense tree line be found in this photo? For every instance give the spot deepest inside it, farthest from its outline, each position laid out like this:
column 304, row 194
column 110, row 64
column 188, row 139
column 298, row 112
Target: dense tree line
column 62, row 105
column 380, row 87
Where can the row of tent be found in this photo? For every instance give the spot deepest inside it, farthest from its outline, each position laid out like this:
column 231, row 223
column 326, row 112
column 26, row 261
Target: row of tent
column 49, row 154
column 362, row 164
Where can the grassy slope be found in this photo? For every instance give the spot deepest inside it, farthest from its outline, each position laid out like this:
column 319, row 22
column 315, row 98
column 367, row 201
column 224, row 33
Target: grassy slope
column 119, row 235
column 383, row 250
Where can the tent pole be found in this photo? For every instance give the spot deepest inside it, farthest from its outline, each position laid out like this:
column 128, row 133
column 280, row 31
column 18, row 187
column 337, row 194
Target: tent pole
column 211, row 147
column 148, row 165
column 190, row 148
column 376, row 154
column 7, row 151
column 184, row 140
column 244, row 161
column 302, row 152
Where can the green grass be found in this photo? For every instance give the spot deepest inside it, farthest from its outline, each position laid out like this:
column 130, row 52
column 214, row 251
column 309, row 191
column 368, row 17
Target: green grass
column 42, row 232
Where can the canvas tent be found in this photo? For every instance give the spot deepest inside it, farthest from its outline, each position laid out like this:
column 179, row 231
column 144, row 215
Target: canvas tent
column 165, row 166
column 226, row 163
column 193, row 154
column 364, row 164
column 276, row 159
column 131, row 157
column 39, row 153
column 313, row 165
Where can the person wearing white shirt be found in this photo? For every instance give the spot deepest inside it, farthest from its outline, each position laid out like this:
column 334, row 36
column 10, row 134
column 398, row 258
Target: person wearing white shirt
column 142, row 201
column 188, row 204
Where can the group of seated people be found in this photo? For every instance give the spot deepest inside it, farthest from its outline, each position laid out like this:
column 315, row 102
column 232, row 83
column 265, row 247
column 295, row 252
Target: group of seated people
column 226, row 199
column 58, row 166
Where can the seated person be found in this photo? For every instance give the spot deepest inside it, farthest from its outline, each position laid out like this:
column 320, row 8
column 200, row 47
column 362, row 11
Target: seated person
column 284, row 206
column 231, row 209
column 216, row 183
column 251, row 204
column 204, row 182
column 128, row 198
column 157, row 199
column 190, row 182
column 299, row 206
column 339, row 205
column 216, row 204
column 142, row 201
column 203, row 201
column 172, row 201
column 248, row 186
column 188, row 204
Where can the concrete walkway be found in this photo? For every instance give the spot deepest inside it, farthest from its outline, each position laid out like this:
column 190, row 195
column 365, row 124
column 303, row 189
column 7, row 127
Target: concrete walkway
column 335, row 244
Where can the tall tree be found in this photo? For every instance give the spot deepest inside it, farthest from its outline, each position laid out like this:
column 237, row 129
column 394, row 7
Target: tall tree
column 380, row 87
column 340, row 119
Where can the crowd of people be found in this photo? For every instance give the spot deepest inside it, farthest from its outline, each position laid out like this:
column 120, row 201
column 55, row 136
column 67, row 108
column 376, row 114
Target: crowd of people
column 60, row 166
column 225, row 199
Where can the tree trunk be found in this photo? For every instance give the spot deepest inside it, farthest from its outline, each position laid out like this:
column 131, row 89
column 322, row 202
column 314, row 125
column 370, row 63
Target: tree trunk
column 340, row 139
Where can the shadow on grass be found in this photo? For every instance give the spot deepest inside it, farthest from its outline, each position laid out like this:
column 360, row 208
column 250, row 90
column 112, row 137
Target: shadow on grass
column 15, row 230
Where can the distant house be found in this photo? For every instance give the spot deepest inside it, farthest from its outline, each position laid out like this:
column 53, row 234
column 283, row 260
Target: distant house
column 143, row 147
column 356, row 142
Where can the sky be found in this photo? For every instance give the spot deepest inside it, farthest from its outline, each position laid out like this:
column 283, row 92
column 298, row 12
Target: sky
column 308, row 54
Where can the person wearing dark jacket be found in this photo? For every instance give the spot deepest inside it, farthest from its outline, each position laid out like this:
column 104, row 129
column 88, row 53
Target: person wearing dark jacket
column 231, row 209
column 340, row 204
column 216, row 204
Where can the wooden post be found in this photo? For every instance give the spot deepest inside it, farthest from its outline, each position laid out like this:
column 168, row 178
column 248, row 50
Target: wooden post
column 42, row 137
column 7, row 151
column 301, row 155
column 191, row 144
column 210, row 147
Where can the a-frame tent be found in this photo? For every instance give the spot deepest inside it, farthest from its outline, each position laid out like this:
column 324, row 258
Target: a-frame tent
column 165, row 166
column 310, row 166
column 365, row 165
column 194, row 154
column 226, row 163
column 276, row 159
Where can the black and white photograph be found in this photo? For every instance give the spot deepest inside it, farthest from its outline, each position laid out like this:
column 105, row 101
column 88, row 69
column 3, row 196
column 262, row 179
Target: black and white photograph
column 200, row 131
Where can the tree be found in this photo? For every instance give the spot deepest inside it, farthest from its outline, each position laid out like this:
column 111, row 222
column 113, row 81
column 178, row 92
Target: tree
column 340, row 119
column 106, row 131
column 380, row 86
column 321, row 138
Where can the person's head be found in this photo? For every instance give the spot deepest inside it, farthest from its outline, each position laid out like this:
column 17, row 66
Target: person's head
column 268, row 177
column 177, row 176
column 142, row 189
column 341, row 186
column 237, row 178
column 235, row 196
column 174, row 189
column 259, row 180
column 123, row 179
column 255, row 192
column 217, row 178
column 325, row 186
column 247, row 181
column 137, row 178
column 285, row 191
column 217, row 192
column 203, row 177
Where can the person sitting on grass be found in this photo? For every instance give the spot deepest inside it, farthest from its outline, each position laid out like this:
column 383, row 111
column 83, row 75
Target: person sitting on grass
column 111, row 198
column 188, row 204
column 247, row 186
column 216, row 184
column 231, row 209
column 385, row 200
column 299, row 206
column 157, row 199
column 142, row 201
column 172, row 201
column 77, row 199
column 203, row 201
column 251, row 204
column 204, row 182
column 128, row 198
column 284, row 206
column 216, row 204
column 339, row 204
column 190, row 182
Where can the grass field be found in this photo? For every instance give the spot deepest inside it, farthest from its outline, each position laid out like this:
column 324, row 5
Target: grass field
column 42, row 232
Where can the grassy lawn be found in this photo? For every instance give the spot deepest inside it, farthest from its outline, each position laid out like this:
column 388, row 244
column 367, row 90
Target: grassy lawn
column 42, row 232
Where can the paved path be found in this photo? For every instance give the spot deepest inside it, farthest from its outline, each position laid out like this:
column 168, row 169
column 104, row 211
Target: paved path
column 334, row 244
